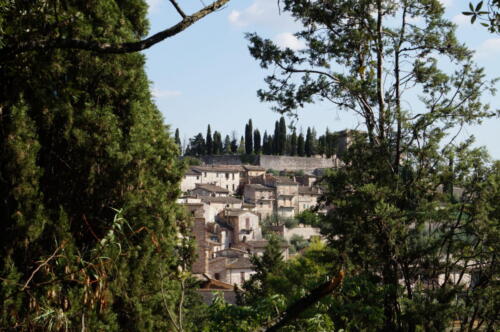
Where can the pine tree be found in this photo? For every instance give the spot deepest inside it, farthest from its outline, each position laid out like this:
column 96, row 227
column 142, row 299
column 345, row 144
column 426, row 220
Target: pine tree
column 248, row 137
column 209, row 144
column 271, row 262
column 256, row 141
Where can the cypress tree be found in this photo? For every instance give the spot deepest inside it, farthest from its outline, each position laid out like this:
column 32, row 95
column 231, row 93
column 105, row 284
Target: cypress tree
column 301, row 149
column 209, row 147
column 271, row 144
column 234, row 145
column 227, row 145
column 281, row 145
column 265, row 143
column 241, row 146
column 177, row 138
column 217, row 144
column 293, row 143
column 275, row 138
column 88, row 180
column 308, row 144
column 248, row 137
column 256, row 141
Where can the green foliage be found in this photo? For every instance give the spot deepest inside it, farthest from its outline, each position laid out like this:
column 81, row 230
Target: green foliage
column 309, row 217
column 257, row 141
column 488, row 14
column 298, row 242
column 80, row 139
column 191, row 161
column 197, row 146
column 249, row 137
column 409, row 216
column 209, row 144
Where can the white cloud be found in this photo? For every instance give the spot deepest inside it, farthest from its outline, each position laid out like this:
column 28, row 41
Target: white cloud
column 461, row 19
column 262, row 12
column 446, row 3
column 235, row 18
column 490, row 47
column 287, row 39
column 157, row 93
column 154, row 5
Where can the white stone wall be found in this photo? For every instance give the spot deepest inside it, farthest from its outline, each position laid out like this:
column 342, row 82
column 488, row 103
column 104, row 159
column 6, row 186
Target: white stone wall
column 305, row 231
column 253, row 221
column 306, row 202
column 227, row 180
column 189, row 182
column 234, row 276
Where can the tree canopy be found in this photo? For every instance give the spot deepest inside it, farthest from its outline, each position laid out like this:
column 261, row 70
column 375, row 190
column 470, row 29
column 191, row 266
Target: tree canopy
column 409, row 207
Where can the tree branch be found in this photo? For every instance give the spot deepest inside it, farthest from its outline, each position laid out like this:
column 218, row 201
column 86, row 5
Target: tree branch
column 112, row 48
column 179, row 10
column 301, row 305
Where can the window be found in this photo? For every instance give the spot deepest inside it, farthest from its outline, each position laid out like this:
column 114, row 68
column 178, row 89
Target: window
column 227, row 175
column 217, row 276
column 233, row 187
column 197, row 177
column 247, row 223
column 242, row 276
column 233, row 176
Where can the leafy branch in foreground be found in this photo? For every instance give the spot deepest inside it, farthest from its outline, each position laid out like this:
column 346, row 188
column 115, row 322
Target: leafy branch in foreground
column 59, row 34
column 488, row 13
column 413, row 208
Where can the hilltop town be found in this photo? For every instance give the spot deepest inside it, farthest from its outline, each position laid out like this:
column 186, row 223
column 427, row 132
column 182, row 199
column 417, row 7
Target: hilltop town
column 358, row 196
column 234, row 206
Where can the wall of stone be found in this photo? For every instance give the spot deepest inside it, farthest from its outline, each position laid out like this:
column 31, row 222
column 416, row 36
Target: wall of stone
column 229, row 159
column 281, row 163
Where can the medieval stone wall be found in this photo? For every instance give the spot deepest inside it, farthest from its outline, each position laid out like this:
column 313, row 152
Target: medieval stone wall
column 281, row 163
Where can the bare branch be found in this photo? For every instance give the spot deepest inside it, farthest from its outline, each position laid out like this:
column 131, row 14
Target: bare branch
column 179, row 10
column 294, row 310
column 45, row 262
column 110, row 48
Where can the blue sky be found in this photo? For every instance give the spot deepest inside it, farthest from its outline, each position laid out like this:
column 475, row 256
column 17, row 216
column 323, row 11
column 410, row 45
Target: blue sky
column 206, row 74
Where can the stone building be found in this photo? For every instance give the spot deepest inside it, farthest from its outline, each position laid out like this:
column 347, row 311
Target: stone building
column 251, row 171
column 262, row 197
column 215, row 205
column 287, row 191
column 307, row 198
column 205, row 189
column 245, row 225
column 222, row 176
column 190, row 179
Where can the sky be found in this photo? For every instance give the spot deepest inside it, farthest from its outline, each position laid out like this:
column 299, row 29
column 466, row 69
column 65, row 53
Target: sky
column 205, row 75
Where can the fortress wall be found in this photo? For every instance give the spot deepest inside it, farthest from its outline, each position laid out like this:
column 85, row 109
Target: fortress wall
column 281, row 163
